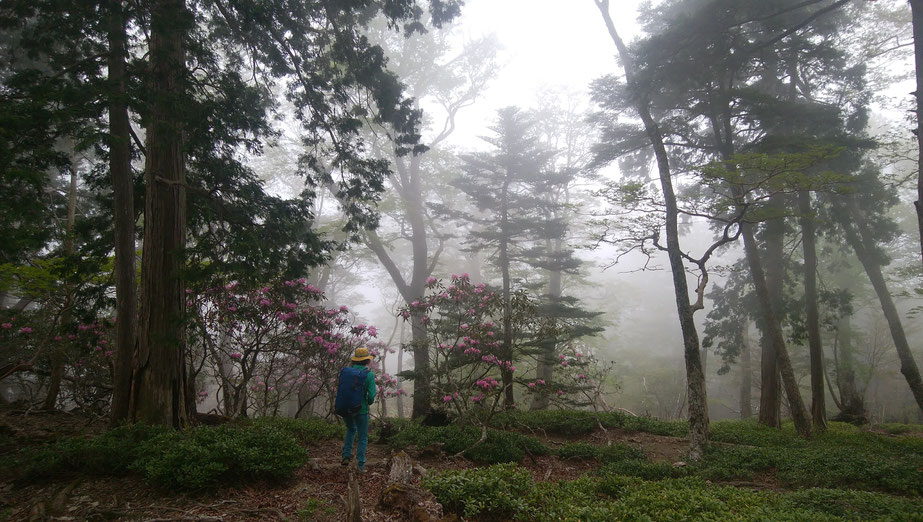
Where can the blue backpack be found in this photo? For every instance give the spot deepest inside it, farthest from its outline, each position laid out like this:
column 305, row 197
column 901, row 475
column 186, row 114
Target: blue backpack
column 350, row 391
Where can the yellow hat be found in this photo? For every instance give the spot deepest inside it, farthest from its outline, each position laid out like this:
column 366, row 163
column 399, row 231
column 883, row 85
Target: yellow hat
column 362, row 354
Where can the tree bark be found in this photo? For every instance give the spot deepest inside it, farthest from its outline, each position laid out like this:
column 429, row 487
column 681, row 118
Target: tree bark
column 400, row 368
column 916, row 10
column 57, row 355
column 860, row 238
column 506, row 376
column 695, row 377
column 546, row 362
column 852, row 403
column 159, row 379
column 773, row 328
column 746, row 381
column 422, row 392
column 818, row 406
column 770, row 382
column 123, row 213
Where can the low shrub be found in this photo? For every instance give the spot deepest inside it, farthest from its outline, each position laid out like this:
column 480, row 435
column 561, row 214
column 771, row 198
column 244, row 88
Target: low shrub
column 306, row 431
column 507, row 492
column 556, row 422
column 605, row 454
column 895, row 428
column 618, row 419
column 499, row 447
column 112, row 453
column 200, row 458
column 499, row 491
column 206, row 457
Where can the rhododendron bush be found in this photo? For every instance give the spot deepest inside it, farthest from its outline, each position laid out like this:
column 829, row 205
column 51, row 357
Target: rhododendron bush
column 464, row 329
column 274, row 343
column 27, row 341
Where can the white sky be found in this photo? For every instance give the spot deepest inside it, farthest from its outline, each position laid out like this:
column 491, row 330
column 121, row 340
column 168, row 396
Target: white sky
column 545, row 43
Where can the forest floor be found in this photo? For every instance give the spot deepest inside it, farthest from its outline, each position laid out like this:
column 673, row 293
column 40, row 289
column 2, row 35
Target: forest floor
column 318, row 491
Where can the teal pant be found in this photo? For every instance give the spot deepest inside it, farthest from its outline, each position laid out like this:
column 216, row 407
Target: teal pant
column 356, row 425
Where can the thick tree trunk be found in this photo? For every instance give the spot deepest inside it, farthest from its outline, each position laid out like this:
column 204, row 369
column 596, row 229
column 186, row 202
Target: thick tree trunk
column 818, row 406
column 695, row 377
column 852, row 403
column 123, row 212
column 160, row 382
column 770, row 381
column 862, row 242
column 746, row 381
column 771, row 322
column 916, row 10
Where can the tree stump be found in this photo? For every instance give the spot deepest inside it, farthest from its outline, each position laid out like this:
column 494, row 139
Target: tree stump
column 401, row 497
column 401, row 471
column 353, row 504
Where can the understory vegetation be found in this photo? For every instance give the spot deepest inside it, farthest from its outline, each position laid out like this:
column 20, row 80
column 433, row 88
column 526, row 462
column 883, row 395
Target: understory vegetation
column 750, row 472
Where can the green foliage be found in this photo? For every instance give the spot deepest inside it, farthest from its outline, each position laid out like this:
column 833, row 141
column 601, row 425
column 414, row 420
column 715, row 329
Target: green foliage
column 508, row 492
column 851, row 504
column 500, row 446
column 895, row 428
column 581, row 422
column 206, row 457
column 557, row 422
column 312, row 507
column 305, row 431
column 498, row 491
column 200, row 458
column 112, row 453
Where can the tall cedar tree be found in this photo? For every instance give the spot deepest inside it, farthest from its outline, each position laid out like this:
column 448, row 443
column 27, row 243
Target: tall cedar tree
column 507, row 186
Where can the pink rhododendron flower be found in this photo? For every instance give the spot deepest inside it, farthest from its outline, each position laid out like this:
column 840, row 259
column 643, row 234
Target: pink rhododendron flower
column 531, row 385
column 446, row 398
column 560, row 392
column 373, row 331
column 430, row 280
column 25, row 330
column 236, row 355
column 7, row 326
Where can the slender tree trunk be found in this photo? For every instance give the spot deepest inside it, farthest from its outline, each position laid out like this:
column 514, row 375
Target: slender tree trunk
column 771, row 383
column 422, row 391
column 158, row 391
column 695, row 377
column 546, row 362
column 862, row 242
column 123, row 211
column 916, row 10
column 400, row 368
column 746, row 381
column 506, row 376
column 57, row 354
column 799, row 414
column 818, row 405
column 853, row 405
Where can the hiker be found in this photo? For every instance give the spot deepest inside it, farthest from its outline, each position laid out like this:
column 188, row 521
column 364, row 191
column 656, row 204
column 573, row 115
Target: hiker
column 355, row 392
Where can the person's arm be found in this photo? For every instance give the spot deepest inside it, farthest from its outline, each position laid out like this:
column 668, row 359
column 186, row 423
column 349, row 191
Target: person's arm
column 370, row 388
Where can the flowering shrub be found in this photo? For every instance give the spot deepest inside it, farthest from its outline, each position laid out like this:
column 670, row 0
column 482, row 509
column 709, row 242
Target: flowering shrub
column 277, row 342
column 28, row 340
column 464, row 330
column 580, row 380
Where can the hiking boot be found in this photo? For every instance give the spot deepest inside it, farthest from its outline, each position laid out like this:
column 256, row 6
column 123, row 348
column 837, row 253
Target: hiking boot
column 345, row 462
